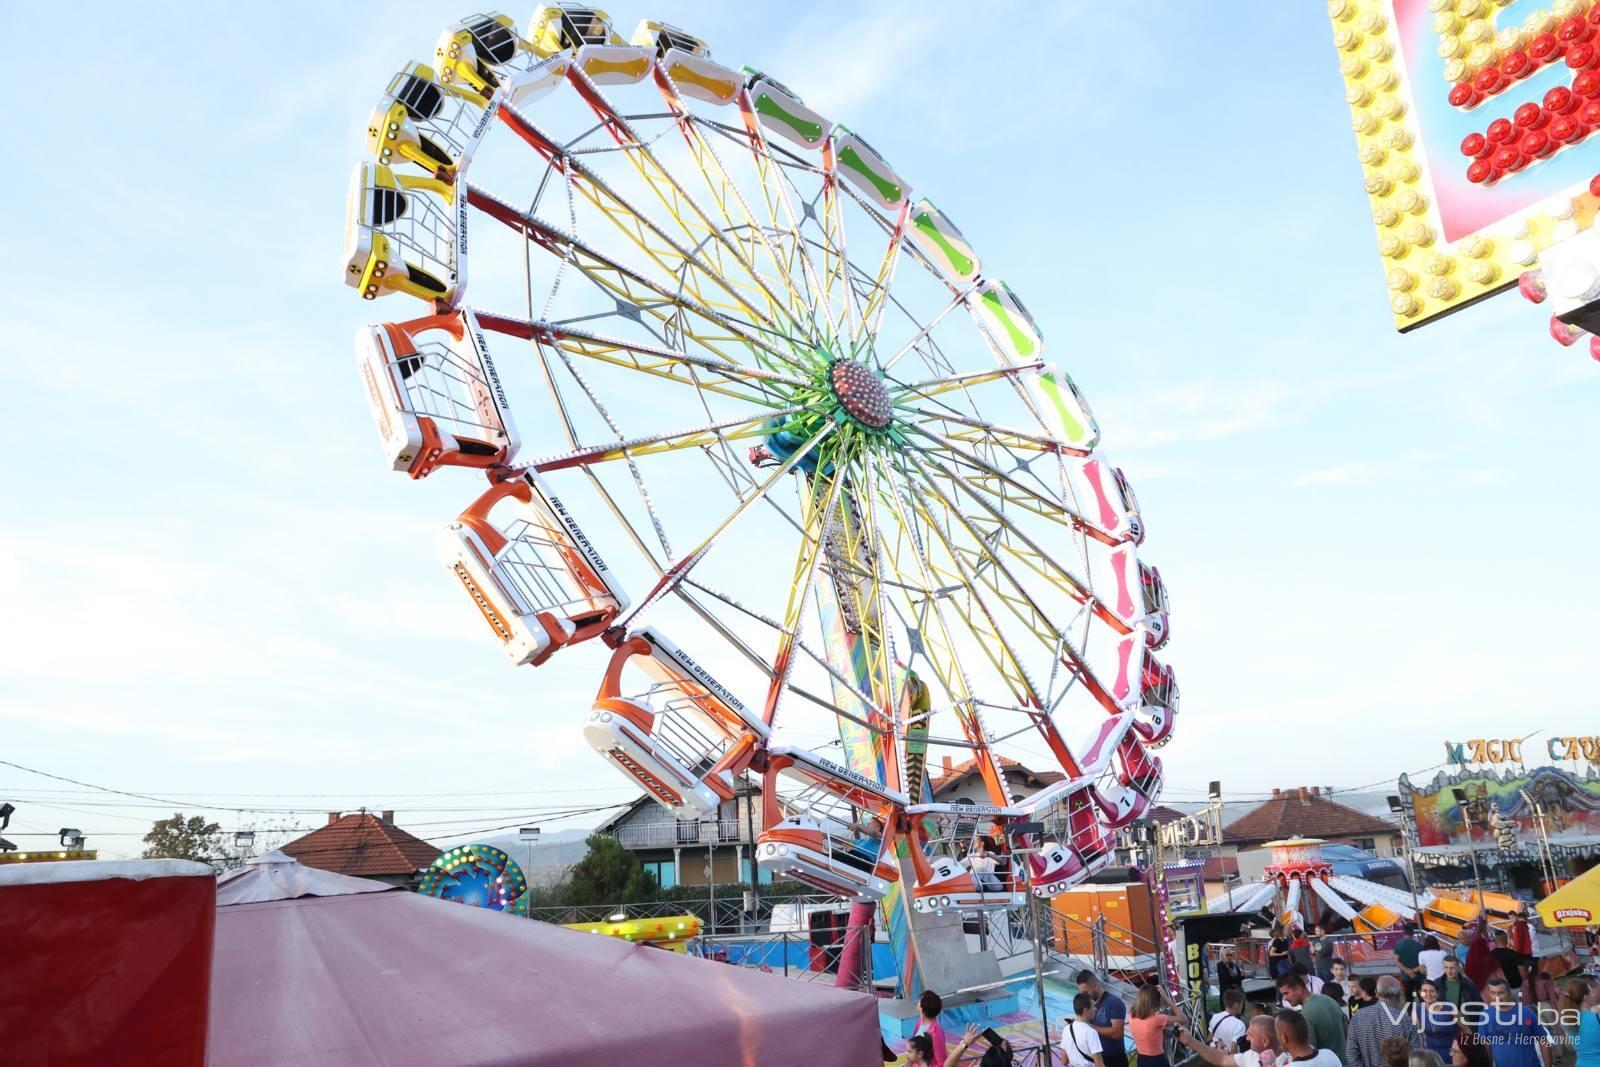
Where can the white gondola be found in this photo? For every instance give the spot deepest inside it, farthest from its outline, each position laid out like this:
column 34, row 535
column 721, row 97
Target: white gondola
column 1127, row 793
column 435, row 394
column 684, row 739
column 1158, row 701
column 1110, row 501
column 529, row 569
column 834, row 833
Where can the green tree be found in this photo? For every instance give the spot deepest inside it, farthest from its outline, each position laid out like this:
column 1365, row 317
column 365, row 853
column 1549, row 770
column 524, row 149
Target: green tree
column 185, row 839
column 608, row 874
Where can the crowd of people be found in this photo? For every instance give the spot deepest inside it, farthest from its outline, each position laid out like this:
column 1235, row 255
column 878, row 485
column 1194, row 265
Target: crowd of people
column 1427, row 1013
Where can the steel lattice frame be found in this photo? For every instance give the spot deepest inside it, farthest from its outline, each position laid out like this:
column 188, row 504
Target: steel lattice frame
column 778, row 394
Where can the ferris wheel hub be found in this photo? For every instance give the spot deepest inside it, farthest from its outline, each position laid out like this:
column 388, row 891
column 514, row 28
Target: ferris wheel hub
column 861, row 393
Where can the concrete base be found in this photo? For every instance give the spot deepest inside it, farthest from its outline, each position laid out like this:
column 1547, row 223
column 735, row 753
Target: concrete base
column 897, row 1018
column 944, row 960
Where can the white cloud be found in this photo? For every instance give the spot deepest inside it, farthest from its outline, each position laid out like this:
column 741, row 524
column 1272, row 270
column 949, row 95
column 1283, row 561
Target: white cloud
column 1198, row 412
column 1343, row 474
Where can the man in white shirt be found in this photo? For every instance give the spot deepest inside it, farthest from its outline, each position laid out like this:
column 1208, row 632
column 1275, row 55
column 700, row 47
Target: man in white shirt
column 1080, row 1041
column 1294, row 1034
column 1263, row 1050
column 1227, row 1025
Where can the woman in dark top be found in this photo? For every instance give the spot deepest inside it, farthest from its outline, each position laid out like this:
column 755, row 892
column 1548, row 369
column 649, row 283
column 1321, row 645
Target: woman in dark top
column 1278, row 955
column 1437, row 1024
column 1229, row 974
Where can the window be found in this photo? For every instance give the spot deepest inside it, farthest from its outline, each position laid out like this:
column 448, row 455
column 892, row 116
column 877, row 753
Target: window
column 666, row 872
column 1367, row 843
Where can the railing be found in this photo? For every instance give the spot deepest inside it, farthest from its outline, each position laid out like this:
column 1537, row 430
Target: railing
column 681, row 834
column 789, row 954
column 724, row 914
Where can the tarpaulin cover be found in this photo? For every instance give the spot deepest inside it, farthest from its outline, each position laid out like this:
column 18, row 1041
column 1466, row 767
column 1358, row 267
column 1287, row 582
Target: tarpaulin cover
column 399, row 978
column 106, row 962
column 279, row 876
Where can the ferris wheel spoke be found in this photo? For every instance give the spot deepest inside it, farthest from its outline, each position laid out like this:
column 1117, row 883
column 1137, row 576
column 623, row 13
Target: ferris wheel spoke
column 1021, row 495
column 981, row 621
column 1029, row 552
column 940, row 648
column 877, row 302
column 775, row 186
column 813, row 536
column 932, row 387
column 629, row 287
column 1021, row 602
column 758, row 660
column 673, row 258
column 978, row 434
column 670, row 441
column 674, row 197
column 836, row 255
column 646, row 358
column 725, row 193
column 674, row 575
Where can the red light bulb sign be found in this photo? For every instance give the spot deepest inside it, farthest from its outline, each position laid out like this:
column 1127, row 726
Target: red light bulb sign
column 1478, row 128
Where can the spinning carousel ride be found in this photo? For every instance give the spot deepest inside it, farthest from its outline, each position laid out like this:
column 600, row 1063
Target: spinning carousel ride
column 790, row 452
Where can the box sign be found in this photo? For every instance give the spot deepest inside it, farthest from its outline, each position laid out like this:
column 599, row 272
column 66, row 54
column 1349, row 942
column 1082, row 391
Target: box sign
column 1478, row 129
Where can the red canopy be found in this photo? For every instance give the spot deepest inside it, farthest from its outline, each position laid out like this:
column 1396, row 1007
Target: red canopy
column 398, row 978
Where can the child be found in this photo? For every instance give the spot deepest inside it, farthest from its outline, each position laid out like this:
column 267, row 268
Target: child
column 929, row 1007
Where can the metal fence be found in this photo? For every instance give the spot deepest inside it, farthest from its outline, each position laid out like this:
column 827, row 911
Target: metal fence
column 682, row 833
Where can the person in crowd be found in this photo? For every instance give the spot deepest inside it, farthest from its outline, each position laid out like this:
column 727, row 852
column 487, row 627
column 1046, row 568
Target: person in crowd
column 929, row 1005
column 1300, row 949
column 1512, row 1031
column 1313, row 983
column 1080, row 1043
column 1374, row 1022
column 1278, row 954
column 1323, row 1017
column 1583, row 996
column 1338, row 975
column 1564, row 1023
column 1335, row 992
column 1262, row 1036
column 1229, row 974
column 1110, row 1018
column 1295, row 1036
column 982, row 864
column 1455, row 987
column 1511, row 962
column 1432, row 958
column 1366, row 993
column 1150, row 1018
column 1406, row 954
column 1000, row 1055
column 1425, row 1057
column 1436, row 1018
column 919, row 1051
column 1470, row 1050
column 1227, row 1026
column 1396, row 1053
column 1322, row 953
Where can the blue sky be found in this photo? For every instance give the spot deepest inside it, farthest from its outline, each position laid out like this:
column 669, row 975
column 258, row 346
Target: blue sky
column 1372, row 542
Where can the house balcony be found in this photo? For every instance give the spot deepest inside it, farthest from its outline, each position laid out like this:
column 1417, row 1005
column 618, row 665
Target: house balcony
column 681, row 834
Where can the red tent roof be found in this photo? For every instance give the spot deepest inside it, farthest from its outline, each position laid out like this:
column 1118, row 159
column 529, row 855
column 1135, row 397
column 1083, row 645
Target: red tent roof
column 362, row 845
column 1303, row 813
column 386, row 978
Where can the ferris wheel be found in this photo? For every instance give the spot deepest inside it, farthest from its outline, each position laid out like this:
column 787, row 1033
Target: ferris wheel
column 789, row 464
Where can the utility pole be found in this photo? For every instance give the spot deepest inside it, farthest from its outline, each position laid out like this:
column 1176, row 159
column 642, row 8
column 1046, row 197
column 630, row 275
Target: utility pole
column 1472, row 845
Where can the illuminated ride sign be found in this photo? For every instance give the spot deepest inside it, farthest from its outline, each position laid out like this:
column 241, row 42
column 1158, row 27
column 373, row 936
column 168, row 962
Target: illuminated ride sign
column 1478, row 139
column 1493, row 750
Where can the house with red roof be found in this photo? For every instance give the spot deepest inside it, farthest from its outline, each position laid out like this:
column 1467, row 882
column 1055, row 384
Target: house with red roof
column 960, row 783
column 364, row 845
column 1305, row 812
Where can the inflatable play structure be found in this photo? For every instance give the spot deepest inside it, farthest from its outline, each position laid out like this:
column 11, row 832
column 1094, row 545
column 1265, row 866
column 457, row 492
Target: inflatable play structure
column 753, row 413
column 665, row 931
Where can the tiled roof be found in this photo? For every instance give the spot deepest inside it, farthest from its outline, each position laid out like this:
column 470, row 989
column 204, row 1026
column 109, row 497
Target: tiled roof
column 961, row 771
column 1303, row 813
column 362, row 845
